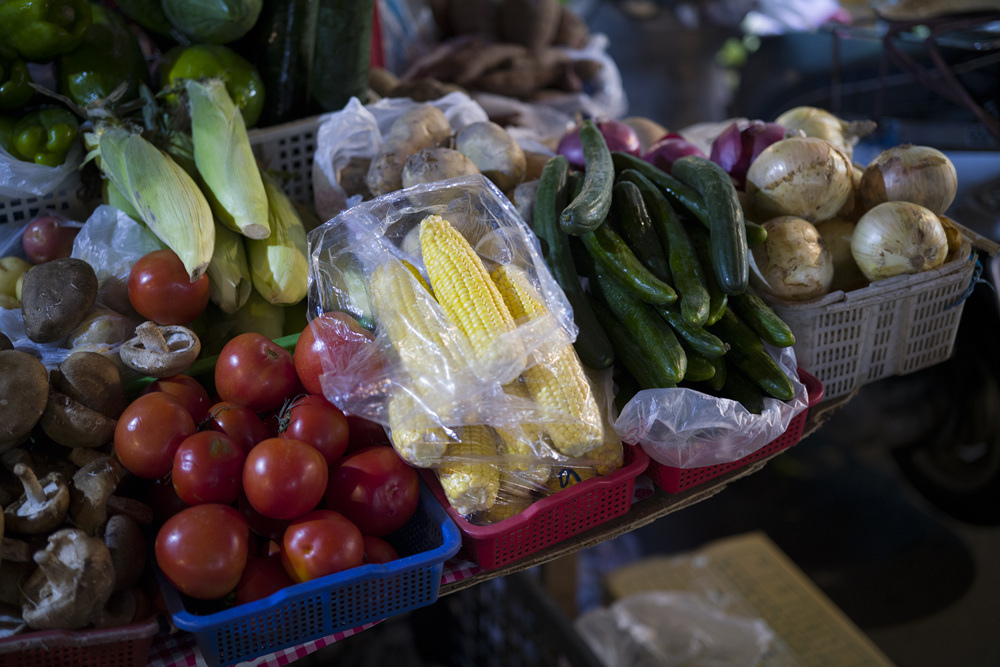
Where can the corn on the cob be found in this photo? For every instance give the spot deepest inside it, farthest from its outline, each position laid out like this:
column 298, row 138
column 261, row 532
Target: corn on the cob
column 279, row 264
column 463, row 287
column 225, row 159
column 166, row 198
column 416, row 437
column 470, row 482
column 229, row 280
column 523, row 443
column 557, row 382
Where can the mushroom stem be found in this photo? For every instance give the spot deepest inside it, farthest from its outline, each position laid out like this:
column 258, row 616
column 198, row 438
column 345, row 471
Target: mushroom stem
column 152, row 337
column 32, row 489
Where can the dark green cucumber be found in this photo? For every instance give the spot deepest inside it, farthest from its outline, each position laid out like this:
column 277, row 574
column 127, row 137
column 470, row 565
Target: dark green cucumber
column 628, row 210
column 738, row 387
column 764, row 371
column 592, row 344
column 727, row 228
column 735, row 332
column 718, row 381
column 628, row 352
column 760, row 317
column 661, row 350
column 697, row 338
column 587, row 210
column 699, row 369
column 613, row 255
column 717, row 299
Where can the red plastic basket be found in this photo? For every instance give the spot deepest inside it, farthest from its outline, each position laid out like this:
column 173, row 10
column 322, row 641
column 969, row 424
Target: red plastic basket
column 673, row 479
column 125, row 646
column 549, row 520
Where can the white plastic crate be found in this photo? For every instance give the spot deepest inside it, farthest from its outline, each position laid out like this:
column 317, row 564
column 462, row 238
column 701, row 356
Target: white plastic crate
column 890, row 327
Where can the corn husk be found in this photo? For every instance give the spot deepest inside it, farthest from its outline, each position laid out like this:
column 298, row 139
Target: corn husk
column 225, row 159
column 164, row 196
column 230, row 283
column 279, row 264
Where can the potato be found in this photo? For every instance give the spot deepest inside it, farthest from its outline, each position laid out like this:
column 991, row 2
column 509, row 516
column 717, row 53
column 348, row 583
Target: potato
column 430, row 165
column 421, row 126
column 55, row 297
column 494, row 151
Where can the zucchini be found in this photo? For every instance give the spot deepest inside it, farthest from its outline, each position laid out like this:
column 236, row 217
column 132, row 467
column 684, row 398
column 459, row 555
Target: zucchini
column 614, row 256
column 592, row 344
column 727, row 229
column 760, row 317
column 588, row 209
column 629, row 212
column 660, row 349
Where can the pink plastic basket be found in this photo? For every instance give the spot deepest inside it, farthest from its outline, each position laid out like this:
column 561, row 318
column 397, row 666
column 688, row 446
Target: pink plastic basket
column 549, row 520
column 673, row 479
column 125, row 646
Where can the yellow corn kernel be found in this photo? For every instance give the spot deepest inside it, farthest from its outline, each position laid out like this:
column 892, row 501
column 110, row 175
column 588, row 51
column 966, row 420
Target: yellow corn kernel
column 225, row 159
column 279, row 264
column 606, row 457
column 463, row 287
column 557, row 382
column 415, row 436
column 524, row 443
column 469, row 475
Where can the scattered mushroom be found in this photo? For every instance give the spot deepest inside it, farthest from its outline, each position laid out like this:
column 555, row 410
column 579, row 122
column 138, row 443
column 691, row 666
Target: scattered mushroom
column 43, row 505
column 93, row 380
column 89, row 491
column 125, row 541
column 72, row 584
column 72, row 424
column 160, row 351
column 24, row 391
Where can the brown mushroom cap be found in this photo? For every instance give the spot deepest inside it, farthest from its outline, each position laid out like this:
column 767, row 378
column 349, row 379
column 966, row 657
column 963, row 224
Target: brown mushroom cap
column 160, row 351
column 72, row 424
column 24, row 392
column 43, row 505
column 93, row 380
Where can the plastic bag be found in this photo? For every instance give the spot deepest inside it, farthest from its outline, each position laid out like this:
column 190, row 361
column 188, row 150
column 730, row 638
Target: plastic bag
column 673, row 629
column 685, row 428
column 437, row 383
column 357, row 131
column 26, row 179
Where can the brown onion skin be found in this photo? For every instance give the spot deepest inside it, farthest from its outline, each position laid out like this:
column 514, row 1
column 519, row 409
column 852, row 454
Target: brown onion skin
column 896, row 238
column 918, row 174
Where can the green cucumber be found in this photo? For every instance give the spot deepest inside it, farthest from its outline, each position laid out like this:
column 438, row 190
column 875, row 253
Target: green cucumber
column 736, row 333
column 764, row 371
column 588, row 209
column 628, row 352
column 738, row 387
column 761, row 318
column 697, row 338
column 717, row 299
column 632, row 219
column 592, row 344
column 727, row 231
column 613, row 255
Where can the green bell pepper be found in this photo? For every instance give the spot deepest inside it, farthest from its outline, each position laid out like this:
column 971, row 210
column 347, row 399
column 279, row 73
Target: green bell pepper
column 43, row 136
column 202, row 61
column 39, row 30
column 108, row 56
column 15, row 81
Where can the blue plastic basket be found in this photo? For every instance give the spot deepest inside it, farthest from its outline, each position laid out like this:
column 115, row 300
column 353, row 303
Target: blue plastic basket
column 331, row 604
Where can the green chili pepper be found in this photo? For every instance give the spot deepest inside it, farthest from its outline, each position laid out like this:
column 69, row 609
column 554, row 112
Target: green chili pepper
column 15, row 81
column 44, row 136
column 108, row 56
column 39, row 30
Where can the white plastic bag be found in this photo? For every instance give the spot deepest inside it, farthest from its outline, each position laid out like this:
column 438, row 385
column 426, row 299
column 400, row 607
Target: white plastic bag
column 26, row 179
column 685, row 428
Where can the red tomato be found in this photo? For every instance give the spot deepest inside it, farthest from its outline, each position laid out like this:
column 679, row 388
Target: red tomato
column 163, row 499
column 319, row 543
column 265, row 526
column 161, row 289
column 148, row 433
column 364, row 433
column 188, row 390
column 237, row 421
column 335, row 342
column 254, row 371
column 375, row 489
column 203, row 549
column 318, row 422
column 284, row 478
column 48, row 237
column 378, row 550
column 262, row 576
column 208, row 468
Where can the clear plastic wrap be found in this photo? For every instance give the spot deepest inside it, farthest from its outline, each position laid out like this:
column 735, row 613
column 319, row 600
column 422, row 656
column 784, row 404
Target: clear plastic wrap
column 435, row 389
column 685, row 428
column 26, row 179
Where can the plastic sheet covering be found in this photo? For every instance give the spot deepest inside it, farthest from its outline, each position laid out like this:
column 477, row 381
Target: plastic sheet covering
column 429, row 380
column 684, row 428
column 27, row 179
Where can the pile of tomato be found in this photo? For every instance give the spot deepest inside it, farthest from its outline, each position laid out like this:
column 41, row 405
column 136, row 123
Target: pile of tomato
column 258, row 481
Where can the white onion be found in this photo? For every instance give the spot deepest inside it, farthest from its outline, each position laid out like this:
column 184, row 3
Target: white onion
column 792, row 263
column 918, row 174
column 896, row 238
column 816, row 122
column 801, row 176
column 837, row 234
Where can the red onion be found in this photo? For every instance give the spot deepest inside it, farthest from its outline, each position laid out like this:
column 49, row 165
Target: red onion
column 618, row 135
column 672, row 146
column 735, row 148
